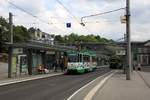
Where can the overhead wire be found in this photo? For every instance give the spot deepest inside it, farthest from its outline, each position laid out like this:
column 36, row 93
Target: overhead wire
column 67, row 11
column 23, row 10
column 123, row 39
column 58, row 23
column 71, row 14
column 103, row 13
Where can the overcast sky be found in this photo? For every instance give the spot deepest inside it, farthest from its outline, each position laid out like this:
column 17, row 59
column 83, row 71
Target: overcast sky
column 55, row 17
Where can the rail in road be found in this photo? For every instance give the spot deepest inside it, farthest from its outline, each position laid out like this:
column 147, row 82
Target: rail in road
column 53, row 88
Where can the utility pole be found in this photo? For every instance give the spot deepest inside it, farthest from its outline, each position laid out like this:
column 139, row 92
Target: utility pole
column 11, row 27
column 128, row 73
column 10, row 48
column 125, row 56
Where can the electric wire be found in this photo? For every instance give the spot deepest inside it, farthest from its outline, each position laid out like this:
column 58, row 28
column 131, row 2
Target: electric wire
column 67, row 11
column 72, row 14
column 103, row 13
column 23, row 10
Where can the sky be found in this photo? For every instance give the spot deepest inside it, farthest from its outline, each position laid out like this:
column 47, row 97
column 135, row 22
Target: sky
column 51, row 17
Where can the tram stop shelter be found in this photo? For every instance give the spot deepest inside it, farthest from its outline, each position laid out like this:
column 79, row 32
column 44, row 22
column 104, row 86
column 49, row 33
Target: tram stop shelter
column 24, row 58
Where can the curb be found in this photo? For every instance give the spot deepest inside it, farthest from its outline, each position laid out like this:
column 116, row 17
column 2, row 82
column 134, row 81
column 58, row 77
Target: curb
column 19, row 80
column 105, row 75
column 141, row 76
column 91, row 93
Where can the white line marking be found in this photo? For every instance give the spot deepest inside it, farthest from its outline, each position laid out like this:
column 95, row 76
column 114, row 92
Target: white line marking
column 7, row 82
column 87, row 85
column 95, row 89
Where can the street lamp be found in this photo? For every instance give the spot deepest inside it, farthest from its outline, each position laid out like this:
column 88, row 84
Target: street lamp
column 128, row 74
column 98, row 14
column 82, row 22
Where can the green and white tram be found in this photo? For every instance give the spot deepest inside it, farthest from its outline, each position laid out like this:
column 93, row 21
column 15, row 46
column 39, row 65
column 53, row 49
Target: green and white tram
column 81, row 62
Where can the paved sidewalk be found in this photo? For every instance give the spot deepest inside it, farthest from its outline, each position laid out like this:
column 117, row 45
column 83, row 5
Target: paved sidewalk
column 4, row 80
column 145, row 73
column 7, row 81
column 118, row 88
column 3, row 70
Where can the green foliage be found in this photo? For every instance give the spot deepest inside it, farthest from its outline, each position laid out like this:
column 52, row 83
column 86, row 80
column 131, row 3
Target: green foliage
column 21, row 34
column 74, row 38
column 3, row 30
column 3, row 33
column 59, row 38
column 3, row 22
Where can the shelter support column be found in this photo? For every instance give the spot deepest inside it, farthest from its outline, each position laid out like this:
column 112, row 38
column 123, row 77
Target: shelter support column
column 10, row 62
column 30, row 61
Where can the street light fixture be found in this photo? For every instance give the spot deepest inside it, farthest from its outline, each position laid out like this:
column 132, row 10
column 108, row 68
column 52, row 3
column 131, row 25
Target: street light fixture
column 98, row 14
column 127, row 18
column 83, row 24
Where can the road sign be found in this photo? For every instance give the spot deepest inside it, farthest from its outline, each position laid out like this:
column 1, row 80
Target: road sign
column 123, row 19
column 68, row 25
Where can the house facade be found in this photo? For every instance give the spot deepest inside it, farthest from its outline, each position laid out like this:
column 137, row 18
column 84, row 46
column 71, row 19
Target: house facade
column 43, row 37
column 141, row 53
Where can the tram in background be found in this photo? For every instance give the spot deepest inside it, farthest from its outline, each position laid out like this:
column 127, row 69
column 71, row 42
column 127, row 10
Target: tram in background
column 81, row 62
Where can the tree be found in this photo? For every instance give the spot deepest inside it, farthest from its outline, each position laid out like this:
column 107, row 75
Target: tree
column 3, row 32
column 3, row 22
column 75, row 38
column 72, row 38
column 98, row 38
column 59, row 38
column 21, row 34
column 0, row 39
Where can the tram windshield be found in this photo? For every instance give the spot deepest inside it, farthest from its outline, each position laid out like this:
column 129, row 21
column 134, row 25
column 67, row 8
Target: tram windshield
column 72, row 59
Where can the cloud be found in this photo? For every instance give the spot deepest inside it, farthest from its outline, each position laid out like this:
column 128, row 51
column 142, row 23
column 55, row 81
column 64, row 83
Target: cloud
column 140, row 22
column 55, row 17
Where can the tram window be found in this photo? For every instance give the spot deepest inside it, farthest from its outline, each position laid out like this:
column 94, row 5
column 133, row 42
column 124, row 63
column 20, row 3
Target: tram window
column 72, row 59
column 93, row 59
column 86, row 58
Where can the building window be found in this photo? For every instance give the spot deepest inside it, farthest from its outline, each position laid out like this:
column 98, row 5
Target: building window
column 139, row 50
column 143, row 59
column 145, row 50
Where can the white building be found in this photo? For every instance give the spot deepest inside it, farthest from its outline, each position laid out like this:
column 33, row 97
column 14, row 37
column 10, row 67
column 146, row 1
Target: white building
column 43, row 37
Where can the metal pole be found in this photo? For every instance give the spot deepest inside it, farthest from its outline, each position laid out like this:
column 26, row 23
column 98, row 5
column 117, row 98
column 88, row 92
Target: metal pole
column 10, row 48
column 128, row 74
column 9, row 62
column 11, row 27
column 125, row 57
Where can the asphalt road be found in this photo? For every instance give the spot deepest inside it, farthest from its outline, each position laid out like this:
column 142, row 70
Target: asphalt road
column 53, row 88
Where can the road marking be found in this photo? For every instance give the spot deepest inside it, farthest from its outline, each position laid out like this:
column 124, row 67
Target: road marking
column 95, row 89
column 7, row 82
column 88, row 85
column 142, row 77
